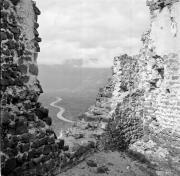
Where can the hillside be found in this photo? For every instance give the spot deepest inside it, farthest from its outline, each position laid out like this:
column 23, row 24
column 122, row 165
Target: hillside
column 69, row 78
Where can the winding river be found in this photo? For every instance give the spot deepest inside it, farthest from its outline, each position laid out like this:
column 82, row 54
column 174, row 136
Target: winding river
column 61, row 111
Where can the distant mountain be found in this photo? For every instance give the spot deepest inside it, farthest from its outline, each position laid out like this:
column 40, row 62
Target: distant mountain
column 77, row 86
column 74, row 79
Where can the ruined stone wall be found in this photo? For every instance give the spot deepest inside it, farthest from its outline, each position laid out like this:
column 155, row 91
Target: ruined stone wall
column 28, row 144
column 125, row 125
column 160, row 77
column 142, row 98
column 146, row 95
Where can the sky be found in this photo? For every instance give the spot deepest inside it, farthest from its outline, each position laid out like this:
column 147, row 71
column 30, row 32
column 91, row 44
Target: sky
column 90, row 33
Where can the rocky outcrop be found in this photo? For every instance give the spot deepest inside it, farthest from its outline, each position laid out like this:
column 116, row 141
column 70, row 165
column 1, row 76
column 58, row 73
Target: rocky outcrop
column 81, row 141
column 28, row 144
column 100, row 110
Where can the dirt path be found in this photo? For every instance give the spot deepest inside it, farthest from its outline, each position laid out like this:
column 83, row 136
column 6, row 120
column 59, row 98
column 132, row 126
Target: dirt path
column 109, row 164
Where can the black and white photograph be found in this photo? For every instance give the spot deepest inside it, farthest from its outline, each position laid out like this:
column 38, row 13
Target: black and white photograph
column 90, row 88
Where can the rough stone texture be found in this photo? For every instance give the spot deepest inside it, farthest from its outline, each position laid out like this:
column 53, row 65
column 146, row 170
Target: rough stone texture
column 28, row 144
column 145, row 108
column 139, row 108
column 100, row 110
column 79, row 142
column 110, row 163
column 159, row 59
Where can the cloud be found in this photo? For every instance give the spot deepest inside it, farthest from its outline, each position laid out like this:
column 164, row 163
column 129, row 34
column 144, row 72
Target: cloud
column 85, row 29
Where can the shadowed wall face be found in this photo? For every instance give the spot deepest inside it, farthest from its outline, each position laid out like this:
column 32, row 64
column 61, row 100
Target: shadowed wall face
column 28, row 144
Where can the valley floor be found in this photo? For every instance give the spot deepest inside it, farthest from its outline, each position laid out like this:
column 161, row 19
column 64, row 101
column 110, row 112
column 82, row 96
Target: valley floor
column 110, row 163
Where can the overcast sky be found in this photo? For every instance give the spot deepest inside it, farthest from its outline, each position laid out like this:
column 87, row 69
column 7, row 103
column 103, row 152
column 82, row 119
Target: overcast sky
column 90, row 32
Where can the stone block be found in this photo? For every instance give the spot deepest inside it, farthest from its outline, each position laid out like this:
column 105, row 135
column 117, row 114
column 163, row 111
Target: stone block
column 25, row 147
column 27, row 58
column 37, row 46
column 40, row 123
column 43, row 141
column 51, row 140
column 15, row 2
column 39, row 169
column 45, row 158
column 36, row 33
column 38, row 39
column 33, row 69
column 9, row 35
column 42, row 112
column 61, row 143
column 25, row 156
column 91, row 163
column 41, row 135
column 175, row 77
column 49, row 165
column 31, row 154
column 18, row 171
column 11, row 152
column 36, row 25
column 78, row 136
column 21, row 127
column 10, row 165
column 27, row 52
column 47, row 149
column 34, row 153
column 36, row 143
column 31, row 165
column 49, row 131
column 36, row 10
column 176, row 135
column 6, row 52
column 6, row 5
column 54, row 147
column 16, row 31
column 39, row 150
column 11, row 143
column 102, row 169
column 25, row 138
column 36, row 161
column 19, row 160
column 5, row 118
column 66, row 148
column 27, row 105
column 3, row 35
column 23, row 68
column 48, row 121
column 20, row 61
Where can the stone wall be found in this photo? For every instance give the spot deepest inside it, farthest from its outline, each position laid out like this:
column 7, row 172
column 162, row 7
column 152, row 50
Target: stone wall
column 160, row 77
column 125, row 125
column 28, row 144
column 145, row 107
column 142, row 100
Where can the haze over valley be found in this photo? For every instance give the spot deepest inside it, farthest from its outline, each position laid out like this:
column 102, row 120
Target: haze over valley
column 77, row 86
